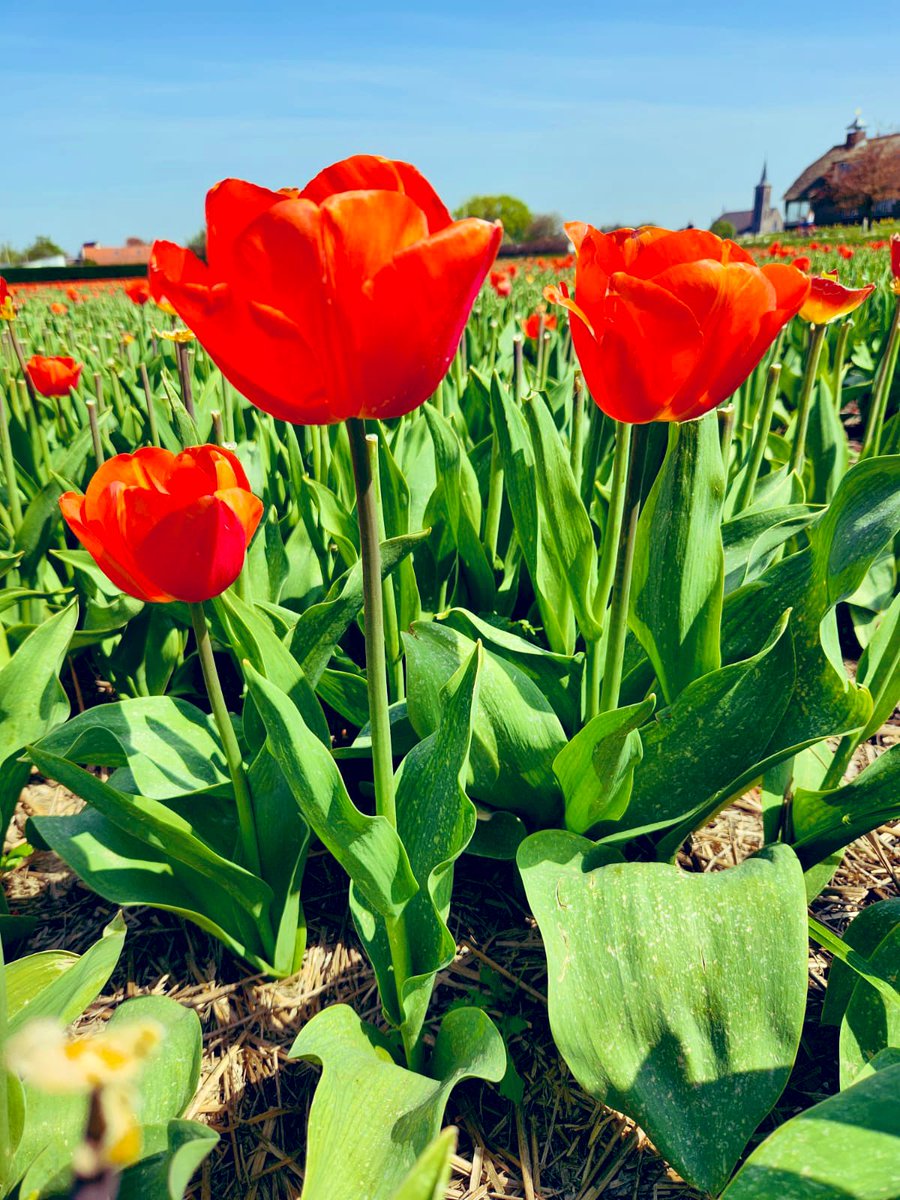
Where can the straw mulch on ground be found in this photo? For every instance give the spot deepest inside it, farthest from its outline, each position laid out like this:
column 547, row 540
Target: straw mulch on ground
column 558, row 1145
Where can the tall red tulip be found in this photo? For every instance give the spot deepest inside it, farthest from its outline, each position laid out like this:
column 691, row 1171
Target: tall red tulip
column 345, row 299
column 7, row 308
column 895, row 261
column 165, row 526
column 531, row 325
column 667, row 325
column 829, row 299
column 53, row 375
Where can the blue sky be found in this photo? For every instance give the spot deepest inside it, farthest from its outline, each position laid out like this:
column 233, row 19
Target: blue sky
column 118, row 118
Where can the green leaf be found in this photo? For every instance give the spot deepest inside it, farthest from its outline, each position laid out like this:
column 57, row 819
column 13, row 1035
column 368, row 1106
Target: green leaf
column 368, row 848
column 596, row 769
column 862, row 967
column 564, row 516
column 675, row 998
column 516, row 734
column 750, row 539
column 435, row 821
column 823, row 822
column 164, row 747
column 370, row 1119
column 430, row 1174
column 166, row 1174
column 679, row 565
column 845, row 1148
column 871, row 1022
column 863, row 934
column 58, row 985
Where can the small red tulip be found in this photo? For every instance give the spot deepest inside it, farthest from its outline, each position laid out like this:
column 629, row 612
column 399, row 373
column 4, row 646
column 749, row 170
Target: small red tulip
column 895, row 257
column 165, row 526
column 53, row 376
column 137, row 291
column 845, row 252
column 801, row 262
column 58, row 309
column 531, row 325
column 829, row 299
column 501, row 283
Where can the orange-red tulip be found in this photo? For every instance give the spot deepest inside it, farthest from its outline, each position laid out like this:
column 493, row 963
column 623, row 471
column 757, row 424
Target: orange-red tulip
column 829, row 299
column 531, row 325
column 165, row 526
column 667, row 325
column 895, row 261
column 53, row 375
column 345, row 299
column 801, row 262
column 58, row 309
column 138, row 290
column 7, row 308
column 501, row 283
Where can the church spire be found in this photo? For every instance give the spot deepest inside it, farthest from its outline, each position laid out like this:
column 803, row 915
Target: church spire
column 764, row 178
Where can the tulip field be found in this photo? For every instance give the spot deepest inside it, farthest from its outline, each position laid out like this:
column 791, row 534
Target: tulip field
column 447, row 712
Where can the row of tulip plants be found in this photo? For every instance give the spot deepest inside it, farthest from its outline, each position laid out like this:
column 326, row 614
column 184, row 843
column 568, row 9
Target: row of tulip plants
column 545, row 571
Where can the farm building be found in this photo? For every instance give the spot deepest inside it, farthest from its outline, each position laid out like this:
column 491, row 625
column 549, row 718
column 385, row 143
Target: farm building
column 135, row 252
column 854, row 181
column 762, row 217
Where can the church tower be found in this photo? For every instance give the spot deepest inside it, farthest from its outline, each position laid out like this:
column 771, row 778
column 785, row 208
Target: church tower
column 762, row 202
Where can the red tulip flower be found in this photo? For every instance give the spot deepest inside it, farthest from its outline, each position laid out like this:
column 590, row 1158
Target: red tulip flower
column 667, row 325
column 165, row 526
column 531, row 325
column 895, row 261
column 345, row 299
column 801, row 262
column 137, row 291
column 53, row 375
column 829, row 299
column 7, row 308
column 845, row 252
column 58, row 309
column 501, row 283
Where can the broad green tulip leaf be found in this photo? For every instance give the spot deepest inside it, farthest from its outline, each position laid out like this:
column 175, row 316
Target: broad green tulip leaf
column 430, row 1174
column 871, row 1021
column 9, row 561
column 662, row 1007
column 267, row 566
column 320, row 628
column 823, row 822
column 175, row 1151
column 395, row 509
column 879, row 669
column 679, row 565
column 596, row 769
column 845, row 1148
column 161, row 829
column 368, row 848
column 42, row 514
column 283, row 838
column 370, row 1119
column 498, row 834
column 827, row 448
column 699, row 752
column 61, row 986
column 749, row 539
column 254, row 640
column 164, row 747
column 862, row 967
column 563, row 515
column 32, row 700
column 457, row 503
column 170, row 1077
column 557, row 676
column 516, row 735
column 435, row 821
column 517, row 456
column 130, row 872
column 863, row 935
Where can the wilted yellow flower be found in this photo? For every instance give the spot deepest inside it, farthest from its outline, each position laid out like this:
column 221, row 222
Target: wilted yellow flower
column 7, row 310
column 175, row 335
column 127, row 339
column 166, row 307
column 43, row 1055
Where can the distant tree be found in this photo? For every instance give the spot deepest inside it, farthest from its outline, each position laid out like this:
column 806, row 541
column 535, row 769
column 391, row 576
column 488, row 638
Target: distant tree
column 722, row 228
column 9, row 254
column 41, row 247
column 544, row 226
column 867, row 178
column 515, row 214
column 198, row 244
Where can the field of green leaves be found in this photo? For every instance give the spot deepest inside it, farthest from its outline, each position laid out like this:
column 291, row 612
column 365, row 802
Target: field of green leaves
column 357, row 554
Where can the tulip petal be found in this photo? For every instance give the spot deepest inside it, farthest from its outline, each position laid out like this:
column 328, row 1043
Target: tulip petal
column 192, row 553
column 105, row 545
column 370, row 172
column 231, row 206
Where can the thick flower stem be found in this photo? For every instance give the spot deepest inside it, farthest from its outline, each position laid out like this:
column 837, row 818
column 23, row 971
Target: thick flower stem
column 837, row 370
column 230, row 748
column 494, row 503
column 376, row 680
column 816, row 341
column 9, row 467
column 621, row 457
column 617, row 621
column 393, row 645
column 758, row 450
column 882, row 389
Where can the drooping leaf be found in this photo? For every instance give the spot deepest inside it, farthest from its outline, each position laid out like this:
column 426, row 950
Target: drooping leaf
column 863, row 934
column 871, row 1021
column 676, row 998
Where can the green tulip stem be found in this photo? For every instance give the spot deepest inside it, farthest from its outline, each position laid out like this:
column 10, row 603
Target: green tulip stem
column 393, row 646
column 621, row 458
column 837, row 370
column 617, row 621
column 494, row 503
column 376, row 682
column 9, row 467
column 152, row 427
column 814, row 353
column 230, row 748
column 882, row 388
column 758, row 450
column 99, row 456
